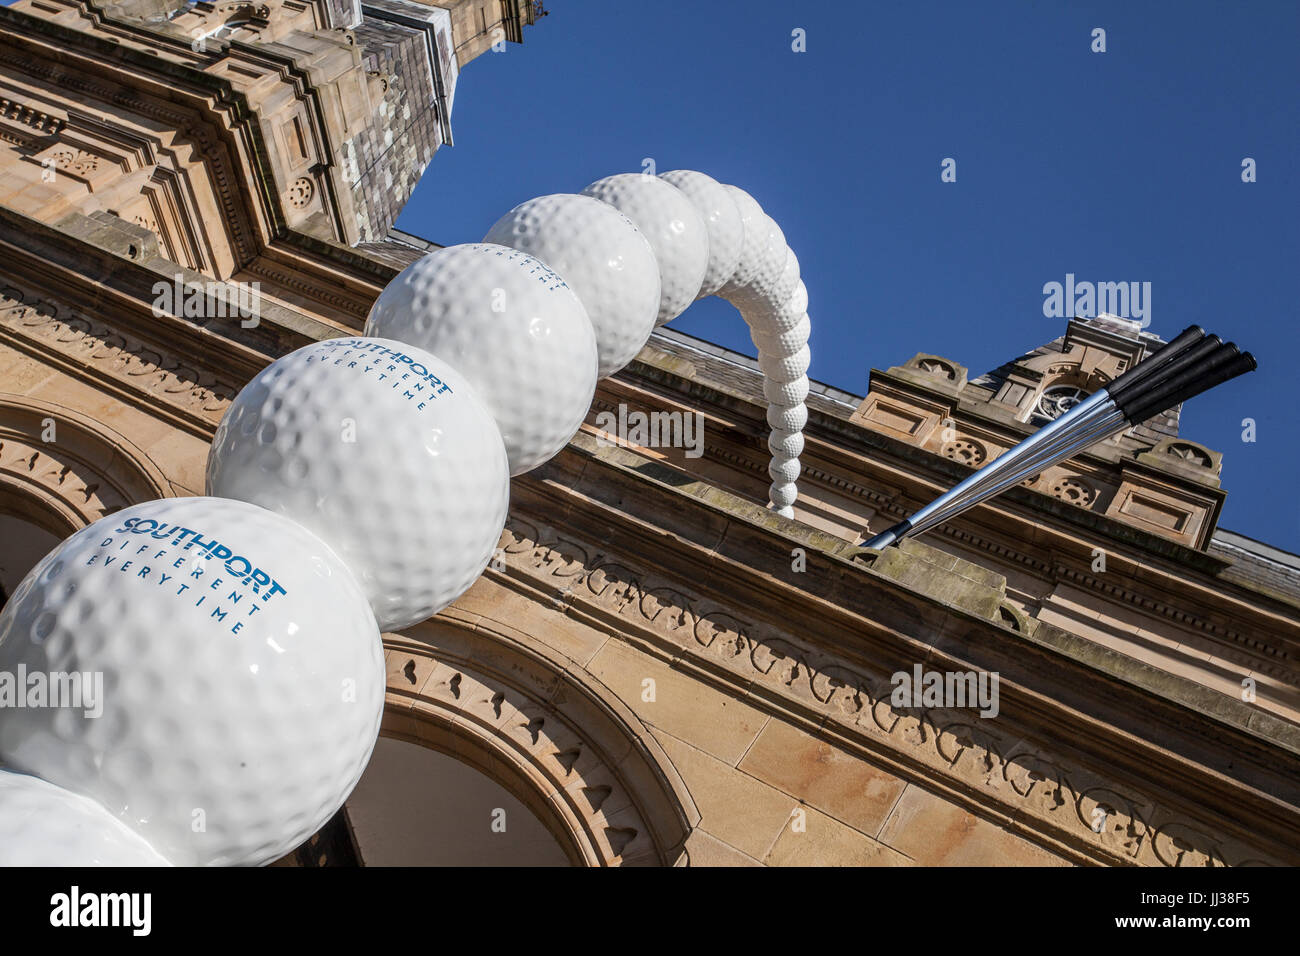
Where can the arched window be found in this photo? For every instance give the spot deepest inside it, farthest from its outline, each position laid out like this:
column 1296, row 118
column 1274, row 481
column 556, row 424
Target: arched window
column 418, row 807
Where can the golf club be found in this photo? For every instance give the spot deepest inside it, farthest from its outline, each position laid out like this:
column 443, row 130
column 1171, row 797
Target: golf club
column 1193, row 362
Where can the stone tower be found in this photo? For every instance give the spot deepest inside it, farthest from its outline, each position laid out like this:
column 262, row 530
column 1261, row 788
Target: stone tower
column 223, row 128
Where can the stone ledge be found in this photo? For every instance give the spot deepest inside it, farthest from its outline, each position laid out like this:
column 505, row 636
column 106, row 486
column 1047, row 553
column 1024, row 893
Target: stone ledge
column 911, row 571
column 942, row 576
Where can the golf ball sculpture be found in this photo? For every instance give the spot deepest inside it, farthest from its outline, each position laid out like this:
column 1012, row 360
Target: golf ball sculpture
column 707, row 238
column 241, row 677
column 355, row 485
column 42, row 824
column 385, row 452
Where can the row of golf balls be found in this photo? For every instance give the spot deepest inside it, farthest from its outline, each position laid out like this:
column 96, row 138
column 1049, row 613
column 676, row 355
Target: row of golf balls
column 359, row 484
column 633, row 252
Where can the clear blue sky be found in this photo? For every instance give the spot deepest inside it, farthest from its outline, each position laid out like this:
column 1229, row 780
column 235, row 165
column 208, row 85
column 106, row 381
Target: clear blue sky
column 1115, row 166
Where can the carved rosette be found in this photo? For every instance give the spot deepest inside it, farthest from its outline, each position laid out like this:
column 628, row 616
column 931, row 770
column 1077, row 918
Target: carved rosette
column 301, row 192
column 965, row 450
column 1075, row 491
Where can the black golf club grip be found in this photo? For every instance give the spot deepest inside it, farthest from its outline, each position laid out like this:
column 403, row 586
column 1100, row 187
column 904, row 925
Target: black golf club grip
column 1236, row 365
column 1143, row 370
column 1189, row 380
column 1192, row 358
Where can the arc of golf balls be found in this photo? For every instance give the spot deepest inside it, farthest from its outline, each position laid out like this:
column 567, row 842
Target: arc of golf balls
column 774, row 305
column 749, row 265
column 716, row 240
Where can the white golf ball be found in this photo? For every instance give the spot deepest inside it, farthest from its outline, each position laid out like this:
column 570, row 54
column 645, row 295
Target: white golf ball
column 721, row 217
column 754, row 245
column 781, row 367
column 783, row 495
column 786, row 393
column 769, row 264
column 512, row 327
column 677, row 233
column 231, row 677
column 602, row 256
column 45, row 825
column 785, row 342
column 787, row 418
column 385, row 452
column 785, row 444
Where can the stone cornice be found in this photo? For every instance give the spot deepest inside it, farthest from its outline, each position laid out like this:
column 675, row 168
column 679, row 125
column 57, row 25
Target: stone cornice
column 1111, row 705
column 1023, row 515
column 98, row 271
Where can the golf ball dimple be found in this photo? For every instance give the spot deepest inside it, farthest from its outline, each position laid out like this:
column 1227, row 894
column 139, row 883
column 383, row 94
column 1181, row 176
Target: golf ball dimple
column 388, row 456
column 674, row 228
column 229, row 677
column 512, row 327
column 45, row 825
column 602, row 256
column 721, row 218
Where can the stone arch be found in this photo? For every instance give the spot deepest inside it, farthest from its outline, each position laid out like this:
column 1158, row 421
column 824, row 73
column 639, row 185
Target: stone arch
column 87, row 471
column 560, row 741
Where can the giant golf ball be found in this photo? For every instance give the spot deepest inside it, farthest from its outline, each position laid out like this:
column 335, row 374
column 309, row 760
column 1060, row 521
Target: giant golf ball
column 512, row 327
column 383, row 451
column 45, row 825
column 213, row 677
column 726, row 231
column 677, row 233
column 763, row 253
column 602, row 256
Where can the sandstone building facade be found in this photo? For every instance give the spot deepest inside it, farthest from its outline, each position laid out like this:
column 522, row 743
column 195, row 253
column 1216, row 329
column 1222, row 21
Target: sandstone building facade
column 657, row 669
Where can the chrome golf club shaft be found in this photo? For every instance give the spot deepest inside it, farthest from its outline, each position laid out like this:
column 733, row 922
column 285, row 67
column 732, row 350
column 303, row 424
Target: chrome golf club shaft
column 1188, row 365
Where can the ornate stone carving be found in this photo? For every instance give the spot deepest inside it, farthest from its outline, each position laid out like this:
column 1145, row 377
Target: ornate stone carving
column 1056, row 400
column 1074, row 490
column 74, row 160
column 122, row 358
column 300, row 192
column 1051, row 797
column 965, row 450
column 84, row 471
column 453, row 698
column 36, row 119
column 1190, row 453
column 938, row 367
column 169, row 116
